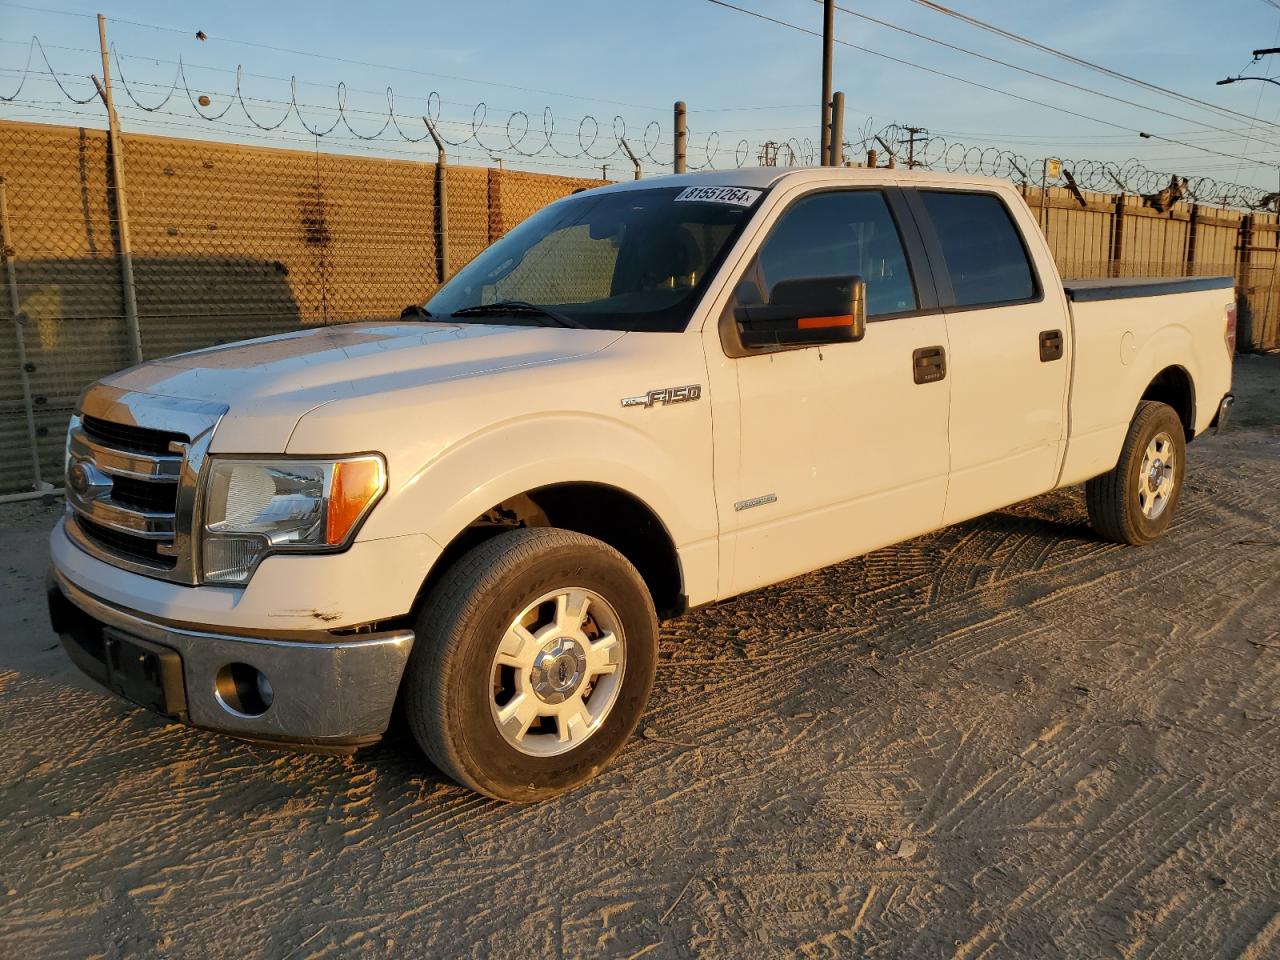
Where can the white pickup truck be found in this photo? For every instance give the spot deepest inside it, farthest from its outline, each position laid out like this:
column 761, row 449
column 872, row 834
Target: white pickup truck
column 647, row 397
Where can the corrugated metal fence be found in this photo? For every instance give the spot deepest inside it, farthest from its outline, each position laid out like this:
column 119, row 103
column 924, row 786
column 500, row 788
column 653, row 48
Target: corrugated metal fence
column 232, row 242
column 1101, row 235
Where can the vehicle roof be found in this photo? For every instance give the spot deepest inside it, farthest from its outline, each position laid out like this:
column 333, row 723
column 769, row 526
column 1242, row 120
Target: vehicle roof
column 764, row 177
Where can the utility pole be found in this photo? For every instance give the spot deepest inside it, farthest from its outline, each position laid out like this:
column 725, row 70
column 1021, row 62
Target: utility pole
column 911, row 145
column 122, row 203
column 828, row 35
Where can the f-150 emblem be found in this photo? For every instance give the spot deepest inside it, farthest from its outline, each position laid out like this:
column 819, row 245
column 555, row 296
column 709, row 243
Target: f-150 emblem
column 665, row 395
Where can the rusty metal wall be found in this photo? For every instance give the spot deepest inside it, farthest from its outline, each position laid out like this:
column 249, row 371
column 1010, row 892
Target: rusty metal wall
column 231, row 241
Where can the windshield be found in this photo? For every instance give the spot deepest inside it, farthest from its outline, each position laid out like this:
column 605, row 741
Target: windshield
column 633, row 260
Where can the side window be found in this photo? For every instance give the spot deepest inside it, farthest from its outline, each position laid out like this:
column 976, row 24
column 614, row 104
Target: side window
column 842, row 233
column 981, row 246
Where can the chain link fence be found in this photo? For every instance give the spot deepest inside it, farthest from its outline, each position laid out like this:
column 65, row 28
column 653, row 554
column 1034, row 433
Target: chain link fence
column 232, row 241
column 229, row 242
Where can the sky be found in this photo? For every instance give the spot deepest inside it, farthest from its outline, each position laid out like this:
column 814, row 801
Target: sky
column 745, row 80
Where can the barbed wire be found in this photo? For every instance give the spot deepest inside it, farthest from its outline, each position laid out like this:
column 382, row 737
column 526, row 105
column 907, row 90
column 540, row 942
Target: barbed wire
column 936, row 152
column 515, row 133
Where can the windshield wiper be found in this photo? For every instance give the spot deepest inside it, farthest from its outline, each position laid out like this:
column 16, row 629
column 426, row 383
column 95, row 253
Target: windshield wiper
column 519, row 308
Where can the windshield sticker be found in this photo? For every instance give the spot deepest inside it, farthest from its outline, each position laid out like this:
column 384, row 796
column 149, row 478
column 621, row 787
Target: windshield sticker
column 738, row 196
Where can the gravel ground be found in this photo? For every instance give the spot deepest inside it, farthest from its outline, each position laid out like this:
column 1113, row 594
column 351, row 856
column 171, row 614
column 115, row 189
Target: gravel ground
column 1005, row 739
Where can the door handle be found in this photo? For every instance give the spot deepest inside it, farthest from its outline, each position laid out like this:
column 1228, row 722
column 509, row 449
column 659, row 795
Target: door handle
column 929, row 364
column 1050, row 345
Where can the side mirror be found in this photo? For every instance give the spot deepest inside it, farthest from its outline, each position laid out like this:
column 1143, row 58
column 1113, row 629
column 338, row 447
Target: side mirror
column 804, row 312
column 414, row 311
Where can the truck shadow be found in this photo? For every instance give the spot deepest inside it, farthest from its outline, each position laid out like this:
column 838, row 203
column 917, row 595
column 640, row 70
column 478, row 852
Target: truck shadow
column 885, row 601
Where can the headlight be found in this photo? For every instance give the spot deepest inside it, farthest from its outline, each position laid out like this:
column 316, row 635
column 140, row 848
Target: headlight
column 256, row 507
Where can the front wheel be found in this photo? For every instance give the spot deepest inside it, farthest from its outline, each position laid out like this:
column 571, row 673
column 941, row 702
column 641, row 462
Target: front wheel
column 1134, row 502
column 534, row 660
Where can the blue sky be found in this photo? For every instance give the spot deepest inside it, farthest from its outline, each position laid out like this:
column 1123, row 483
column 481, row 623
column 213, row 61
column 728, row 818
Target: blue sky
column 743, row 78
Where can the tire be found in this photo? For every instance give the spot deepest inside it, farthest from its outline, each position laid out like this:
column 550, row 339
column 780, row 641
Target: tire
column 1124, row 506
column 471, row 666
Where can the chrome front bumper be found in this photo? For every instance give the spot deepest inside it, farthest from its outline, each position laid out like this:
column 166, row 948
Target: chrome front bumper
column 327, row 692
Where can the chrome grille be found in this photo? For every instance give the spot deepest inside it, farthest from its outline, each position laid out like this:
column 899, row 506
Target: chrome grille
column 127, row 545
column 133, row 471
column 122, row 436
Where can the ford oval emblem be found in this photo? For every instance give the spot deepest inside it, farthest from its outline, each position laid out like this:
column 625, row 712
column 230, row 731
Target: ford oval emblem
column 87, row 481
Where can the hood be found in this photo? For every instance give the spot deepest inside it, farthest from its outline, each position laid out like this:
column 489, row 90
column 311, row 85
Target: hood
column 269, row 384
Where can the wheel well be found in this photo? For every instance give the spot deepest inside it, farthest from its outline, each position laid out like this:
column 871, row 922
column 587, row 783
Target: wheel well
column 1173, row 386
column 603, row 512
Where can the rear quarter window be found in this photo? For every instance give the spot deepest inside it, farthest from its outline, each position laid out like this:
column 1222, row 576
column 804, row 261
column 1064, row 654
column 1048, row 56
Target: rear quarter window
column 982, row 248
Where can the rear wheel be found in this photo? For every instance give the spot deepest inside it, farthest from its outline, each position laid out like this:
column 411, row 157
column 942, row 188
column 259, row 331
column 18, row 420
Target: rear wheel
column 534, row 659
column 1134, row 502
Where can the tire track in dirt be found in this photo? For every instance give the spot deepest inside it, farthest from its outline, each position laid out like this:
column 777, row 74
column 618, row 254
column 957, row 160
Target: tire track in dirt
column 909, row 694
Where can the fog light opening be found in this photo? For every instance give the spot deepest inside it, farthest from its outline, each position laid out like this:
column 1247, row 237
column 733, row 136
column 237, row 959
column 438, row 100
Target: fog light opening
column 243, row 690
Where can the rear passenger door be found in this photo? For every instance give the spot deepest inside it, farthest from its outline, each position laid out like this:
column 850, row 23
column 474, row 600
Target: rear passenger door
column 1007, row 357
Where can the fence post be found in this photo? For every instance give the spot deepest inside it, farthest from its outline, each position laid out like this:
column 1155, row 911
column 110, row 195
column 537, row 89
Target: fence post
column 442, row 204
column 681, row 137
column 1266, row 338
column 1044, row 199
column 1117, row 238
column 1244, row 311
column 1193, row 238
column 7, row 251
column 631, row 156
column 495, row 204
column 122, row 203
column 836, row 158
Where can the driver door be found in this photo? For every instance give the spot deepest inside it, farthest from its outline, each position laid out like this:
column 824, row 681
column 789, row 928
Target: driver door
column 843, row 447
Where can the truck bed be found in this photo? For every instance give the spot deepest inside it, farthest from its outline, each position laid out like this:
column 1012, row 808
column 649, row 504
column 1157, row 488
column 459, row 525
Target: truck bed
column 1123, row 288
column 1126, row 332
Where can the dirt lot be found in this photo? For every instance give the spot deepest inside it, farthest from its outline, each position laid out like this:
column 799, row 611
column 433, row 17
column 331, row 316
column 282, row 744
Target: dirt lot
column 1006, row 739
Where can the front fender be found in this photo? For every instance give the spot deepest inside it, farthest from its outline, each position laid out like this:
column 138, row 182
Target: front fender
column 510, row 458
column 458, row 449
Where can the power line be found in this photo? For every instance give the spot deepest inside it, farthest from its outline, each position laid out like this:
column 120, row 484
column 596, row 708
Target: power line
column 61, row 13
column 1078, row 61
column 973, row 83
column 1029, row 72
column 336, row 59
column 1257, row 107
column 292, row 51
